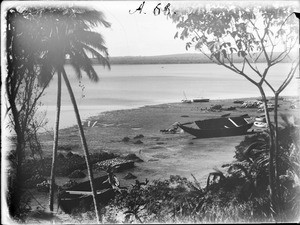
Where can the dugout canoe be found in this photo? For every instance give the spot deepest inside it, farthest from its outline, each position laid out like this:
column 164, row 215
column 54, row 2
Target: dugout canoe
column 219, row 127
column 80, row 195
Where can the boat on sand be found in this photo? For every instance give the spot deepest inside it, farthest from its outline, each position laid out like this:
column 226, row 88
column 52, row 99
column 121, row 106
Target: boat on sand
column 219, row 127
column 185, row 100
column 201, row 100
column 80, row 195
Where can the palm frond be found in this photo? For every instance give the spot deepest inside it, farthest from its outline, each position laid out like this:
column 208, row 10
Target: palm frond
column 84, row 62
column 262, row 161
column 91, row 38
column 75, row 61
column 93, row 17
column 248, row 152
column 292, row 165
column 46, row 71
column 60, row 31
column 77, row 58
column 89, row 69
column 101, row 59
column 239, row 167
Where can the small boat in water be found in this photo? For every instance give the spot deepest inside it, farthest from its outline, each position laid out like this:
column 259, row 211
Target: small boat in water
column 80, row 195
column 219, row 127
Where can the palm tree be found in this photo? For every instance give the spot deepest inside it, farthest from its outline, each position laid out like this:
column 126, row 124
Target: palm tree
column 66, row 32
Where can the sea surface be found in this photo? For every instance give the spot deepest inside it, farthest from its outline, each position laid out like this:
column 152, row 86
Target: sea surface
column 132, row 86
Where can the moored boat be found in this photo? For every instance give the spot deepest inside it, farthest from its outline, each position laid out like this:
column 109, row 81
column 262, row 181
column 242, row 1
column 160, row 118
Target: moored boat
column 219, row 127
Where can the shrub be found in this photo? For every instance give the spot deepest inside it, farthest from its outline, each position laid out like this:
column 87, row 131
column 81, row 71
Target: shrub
column 239, row 195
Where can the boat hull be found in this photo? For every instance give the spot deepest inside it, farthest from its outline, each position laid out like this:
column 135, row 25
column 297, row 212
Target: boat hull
column 201, row 100
column 80, row 195
column 198, row 133
column 220, row 127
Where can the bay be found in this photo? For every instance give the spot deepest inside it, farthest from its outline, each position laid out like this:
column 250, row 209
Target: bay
column 132, row 86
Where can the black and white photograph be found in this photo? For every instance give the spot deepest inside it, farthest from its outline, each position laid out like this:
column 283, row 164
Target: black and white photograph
column 165, row 112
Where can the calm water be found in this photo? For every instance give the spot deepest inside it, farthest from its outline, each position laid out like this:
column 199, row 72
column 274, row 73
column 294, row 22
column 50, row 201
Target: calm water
column 131, row 86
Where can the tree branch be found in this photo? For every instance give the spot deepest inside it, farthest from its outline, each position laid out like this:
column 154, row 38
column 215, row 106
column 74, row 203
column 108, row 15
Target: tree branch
column 277, row 60
column 262, row 40
column 239, row 72
column 289, row 77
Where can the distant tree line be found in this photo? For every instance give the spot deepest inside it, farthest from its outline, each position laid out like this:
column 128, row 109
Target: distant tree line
column 188, row 58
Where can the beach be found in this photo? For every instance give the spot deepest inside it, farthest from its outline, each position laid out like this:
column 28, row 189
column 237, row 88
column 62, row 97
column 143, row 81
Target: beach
column 163, row 154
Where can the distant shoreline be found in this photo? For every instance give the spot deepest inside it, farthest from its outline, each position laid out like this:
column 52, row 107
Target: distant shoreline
column 188, row 58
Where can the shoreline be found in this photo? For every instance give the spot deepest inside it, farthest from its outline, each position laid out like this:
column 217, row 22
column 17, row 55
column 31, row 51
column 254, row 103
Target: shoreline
column 91, row 117
column 163, row 154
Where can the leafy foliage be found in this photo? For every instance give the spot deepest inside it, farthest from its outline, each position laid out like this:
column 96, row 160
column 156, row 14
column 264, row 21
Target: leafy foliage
column 177, row 200
column 252, row 32
column 224, row 31
column 22, row 102
column 64, row 31
column 253, row 164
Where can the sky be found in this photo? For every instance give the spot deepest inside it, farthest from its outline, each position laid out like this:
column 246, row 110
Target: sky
column 146, row 34
column 138, row 34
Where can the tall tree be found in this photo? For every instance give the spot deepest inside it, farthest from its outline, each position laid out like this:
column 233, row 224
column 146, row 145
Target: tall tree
column 67, row 33
column 248, row 35
column 22, row 94
column 73, row 37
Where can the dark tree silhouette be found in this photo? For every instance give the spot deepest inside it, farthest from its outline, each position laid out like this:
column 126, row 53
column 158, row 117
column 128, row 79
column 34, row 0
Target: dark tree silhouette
column 22, row 95
column 62, row 33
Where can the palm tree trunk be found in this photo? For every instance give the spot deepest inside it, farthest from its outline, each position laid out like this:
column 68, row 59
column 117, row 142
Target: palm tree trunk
column 55, row 144
column 85, row 147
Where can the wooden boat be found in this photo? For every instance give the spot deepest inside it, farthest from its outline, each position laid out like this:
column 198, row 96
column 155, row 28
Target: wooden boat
column 238, row 101
column 201, row 100
column 219, row 127
column 80, row 195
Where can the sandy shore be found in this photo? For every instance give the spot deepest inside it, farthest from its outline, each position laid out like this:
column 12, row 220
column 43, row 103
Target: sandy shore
column 163, row 154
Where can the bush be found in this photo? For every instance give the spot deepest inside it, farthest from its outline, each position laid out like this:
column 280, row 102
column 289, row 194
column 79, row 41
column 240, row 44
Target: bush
column 239, row 195
column 177, row 200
